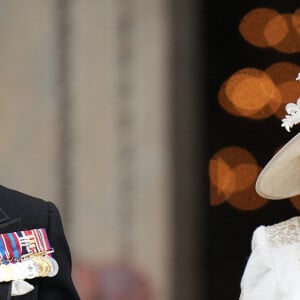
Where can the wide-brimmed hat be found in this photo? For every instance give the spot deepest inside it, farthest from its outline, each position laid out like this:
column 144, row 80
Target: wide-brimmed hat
column 280, row 178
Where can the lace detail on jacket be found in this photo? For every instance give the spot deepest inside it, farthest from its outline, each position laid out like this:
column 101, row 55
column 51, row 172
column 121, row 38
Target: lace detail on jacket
column 283, row 233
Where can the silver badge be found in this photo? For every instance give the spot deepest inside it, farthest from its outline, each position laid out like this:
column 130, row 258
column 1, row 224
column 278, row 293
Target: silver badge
column 54, row 266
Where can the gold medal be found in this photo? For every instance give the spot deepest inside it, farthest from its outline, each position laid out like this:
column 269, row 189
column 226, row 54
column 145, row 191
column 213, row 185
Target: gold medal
column 47, row 266
column 43, row 265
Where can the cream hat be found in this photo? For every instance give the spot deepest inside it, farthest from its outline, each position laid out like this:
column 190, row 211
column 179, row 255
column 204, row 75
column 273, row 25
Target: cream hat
column 280, row 178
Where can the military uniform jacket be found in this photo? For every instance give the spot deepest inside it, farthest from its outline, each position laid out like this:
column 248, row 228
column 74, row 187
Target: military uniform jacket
column 273, row 269
column 22, row 212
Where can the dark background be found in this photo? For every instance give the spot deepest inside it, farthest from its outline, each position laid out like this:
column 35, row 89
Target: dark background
column 212, row 244
column 225, row 52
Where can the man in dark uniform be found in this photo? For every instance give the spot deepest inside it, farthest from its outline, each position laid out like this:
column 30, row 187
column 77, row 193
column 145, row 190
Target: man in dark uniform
column 20, row 212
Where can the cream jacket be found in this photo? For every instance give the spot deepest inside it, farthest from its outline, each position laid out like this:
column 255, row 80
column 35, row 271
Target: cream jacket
column 273, row 269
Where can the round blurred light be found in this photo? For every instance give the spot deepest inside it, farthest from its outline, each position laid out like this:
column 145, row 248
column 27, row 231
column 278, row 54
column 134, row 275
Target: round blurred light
column 290, row 92
column 296, row 20
column 283, row 71
column 233, row 171
column 275, row 30
column 296, row 202
column 291, row 43
column 252, row 27
column 248, row 93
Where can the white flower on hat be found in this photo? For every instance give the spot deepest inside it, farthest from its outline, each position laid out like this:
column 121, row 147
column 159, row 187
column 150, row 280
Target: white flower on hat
column 293, row 116
column 293, row 110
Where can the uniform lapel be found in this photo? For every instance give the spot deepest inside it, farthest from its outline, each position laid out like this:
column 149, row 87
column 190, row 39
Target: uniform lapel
column 7, row 224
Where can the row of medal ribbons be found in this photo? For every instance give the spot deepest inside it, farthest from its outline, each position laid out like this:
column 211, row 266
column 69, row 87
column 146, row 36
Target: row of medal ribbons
column 26, row 255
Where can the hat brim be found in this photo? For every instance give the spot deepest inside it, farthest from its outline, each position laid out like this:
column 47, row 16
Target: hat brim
column 280, row 178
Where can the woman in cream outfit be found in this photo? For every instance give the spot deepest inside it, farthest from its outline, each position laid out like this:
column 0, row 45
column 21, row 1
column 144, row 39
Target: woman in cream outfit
column 273, row 269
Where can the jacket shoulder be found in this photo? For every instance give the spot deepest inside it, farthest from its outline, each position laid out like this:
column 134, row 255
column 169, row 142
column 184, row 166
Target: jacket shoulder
column 19, row 197
column 32, row 210
column 272, row 268
column 283, row 233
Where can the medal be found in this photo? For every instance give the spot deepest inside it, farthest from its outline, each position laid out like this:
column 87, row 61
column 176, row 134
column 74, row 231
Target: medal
column 42, row 264
column 26, row 255
column 3, row 272
column 30, row 269
column 9, row 273
column 54, row 266
column 19, row 271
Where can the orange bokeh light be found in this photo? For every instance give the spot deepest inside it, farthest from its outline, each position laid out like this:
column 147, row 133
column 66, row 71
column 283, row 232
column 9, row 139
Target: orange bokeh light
column 296, row 20
column 290, row 92
column 223, row 181
column 264, row 27
column 275, row 30
column 258, row 94
column 291, row 43
column 226, row 103
column 253, row 24
column 250, row 89
column 249, row 93
column 246, row 174
column 283, row 75
column 296, row 202
column 282, row 71
column 247, row 199
column 233, row 172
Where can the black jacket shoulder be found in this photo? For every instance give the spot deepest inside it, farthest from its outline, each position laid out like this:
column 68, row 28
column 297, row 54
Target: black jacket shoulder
column 33, row 211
